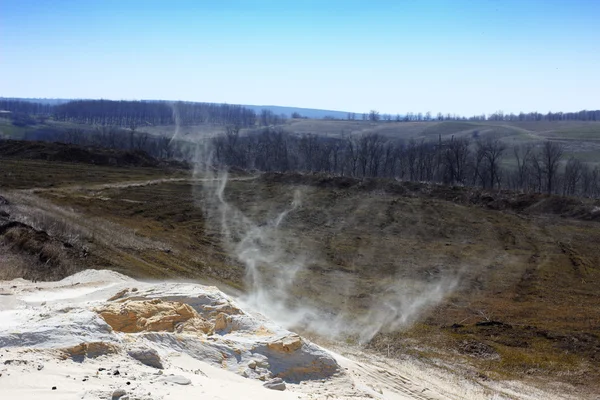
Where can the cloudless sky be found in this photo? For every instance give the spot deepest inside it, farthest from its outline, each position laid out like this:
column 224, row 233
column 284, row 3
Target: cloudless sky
column 457, row 56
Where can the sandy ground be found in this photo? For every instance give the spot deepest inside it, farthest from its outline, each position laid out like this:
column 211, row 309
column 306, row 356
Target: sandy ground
column 39, row 320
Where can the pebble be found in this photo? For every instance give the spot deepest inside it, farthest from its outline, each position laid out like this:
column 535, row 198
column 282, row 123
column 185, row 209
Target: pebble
column 118, row 394
column 275, row 384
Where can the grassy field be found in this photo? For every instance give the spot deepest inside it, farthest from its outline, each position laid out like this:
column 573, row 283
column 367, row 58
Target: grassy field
column 581, row 139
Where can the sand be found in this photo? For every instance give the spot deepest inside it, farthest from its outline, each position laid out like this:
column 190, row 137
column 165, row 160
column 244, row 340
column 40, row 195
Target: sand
column 55, row 344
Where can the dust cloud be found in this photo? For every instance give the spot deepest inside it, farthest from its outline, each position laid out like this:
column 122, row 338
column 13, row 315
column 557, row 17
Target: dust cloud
column 272, row 265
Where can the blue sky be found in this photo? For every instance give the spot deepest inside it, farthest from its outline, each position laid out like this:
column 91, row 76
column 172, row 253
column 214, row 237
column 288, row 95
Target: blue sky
column 466, row 57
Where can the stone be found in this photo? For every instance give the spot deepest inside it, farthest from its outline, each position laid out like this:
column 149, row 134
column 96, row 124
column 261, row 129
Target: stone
column 177, row 379
column 153, row 316
column 275, row 384
column 119, row 295
column 288, row 344
column 89, row 350
column 118, row 394
column 222, row 321
column 16, row 362
column 146, row 356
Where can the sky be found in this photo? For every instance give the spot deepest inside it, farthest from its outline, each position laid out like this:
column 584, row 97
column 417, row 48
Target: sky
column 452, row 56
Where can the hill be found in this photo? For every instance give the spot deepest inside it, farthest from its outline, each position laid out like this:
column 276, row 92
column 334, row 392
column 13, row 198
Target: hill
column 311, row 113
column 500, row 283
column 61, row 152
column 285, row 110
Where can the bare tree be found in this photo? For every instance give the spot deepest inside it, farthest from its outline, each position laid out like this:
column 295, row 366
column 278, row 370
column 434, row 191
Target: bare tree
column 456, row 156
column 374, row 115
column 132, row 129
column 492, row 151
column 572, row 177
column 523, row 156
column 552, row 153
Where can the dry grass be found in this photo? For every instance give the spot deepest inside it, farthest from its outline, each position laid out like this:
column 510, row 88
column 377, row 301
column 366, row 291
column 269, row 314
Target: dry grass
column 531, row 270
column 12, row 265
column 26, row 174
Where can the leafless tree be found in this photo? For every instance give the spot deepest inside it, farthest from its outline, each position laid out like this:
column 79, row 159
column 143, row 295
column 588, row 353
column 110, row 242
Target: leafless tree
column 523, row 156
column 456, row 157
column 552, row 153
column 132, row 129
column 374, row 116
column 491, row 151
column 572, row 176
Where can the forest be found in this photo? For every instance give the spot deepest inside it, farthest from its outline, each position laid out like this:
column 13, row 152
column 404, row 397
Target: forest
column 457, row 161
column 266, row 145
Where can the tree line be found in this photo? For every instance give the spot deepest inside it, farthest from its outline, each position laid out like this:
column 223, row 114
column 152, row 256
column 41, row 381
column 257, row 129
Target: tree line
column 139, row 113
column 540, row 168
column 126, row 113
column 375, row 116
column 486, row 162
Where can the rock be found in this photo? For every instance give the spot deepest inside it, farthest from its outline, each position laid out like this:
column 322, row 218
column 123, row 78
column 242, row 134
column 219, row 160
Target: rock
column 177, row 379
column 292, row 358
column 116, row 372
column 287, row 344
column 222, row 321
column 16, row 362
column 118, row 394
column 153, row 316
column 119, row 295
column 195, row 325
column 146, row 356
column 53, row 387
column 275, row 384
column 40, row 367
column 89, row 350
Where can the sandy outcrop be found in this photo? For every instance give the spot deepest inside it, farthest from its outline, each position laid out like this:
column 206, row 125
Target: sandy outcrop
column 153, row 316
column 89, row 350
column 286, row 344
column 97, row 313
